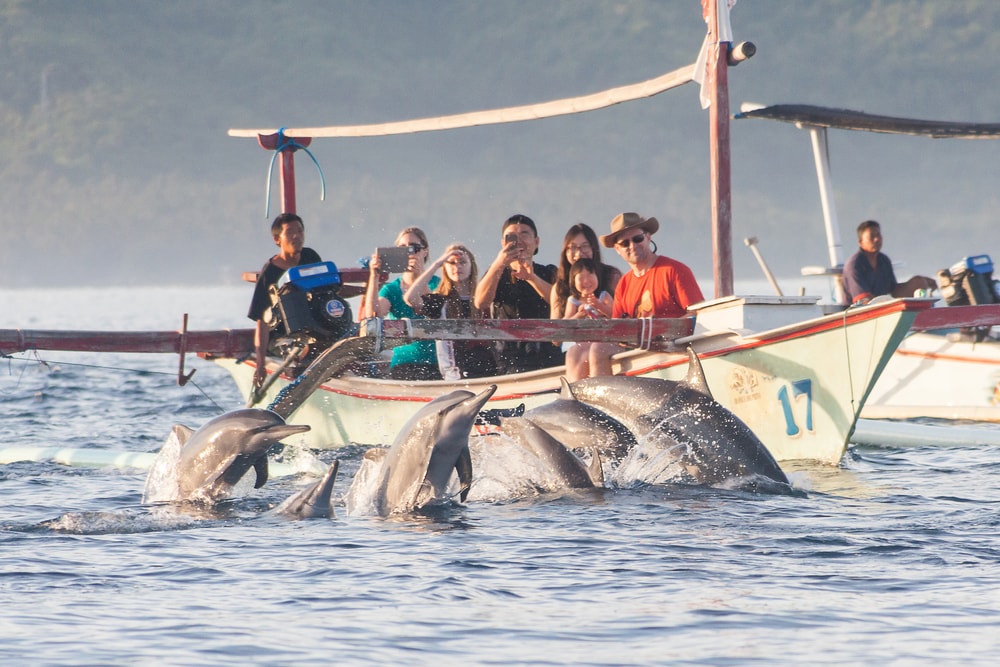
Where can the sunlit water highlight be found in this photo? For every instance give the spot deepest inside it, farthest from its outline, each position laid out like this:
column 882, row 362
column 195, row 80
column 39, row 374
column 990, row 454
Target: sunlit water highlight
column 892, row 558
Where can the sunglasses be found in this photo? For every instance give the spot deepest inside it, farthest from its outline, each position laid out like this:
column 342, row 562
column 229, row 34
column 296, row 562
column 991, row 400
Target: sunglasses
column 414, row 248
column 635, row 240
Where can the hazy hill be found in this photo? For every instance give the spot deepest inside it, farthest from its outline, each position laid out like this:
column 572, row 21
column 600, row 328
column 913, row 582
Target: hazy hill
column 117, row 169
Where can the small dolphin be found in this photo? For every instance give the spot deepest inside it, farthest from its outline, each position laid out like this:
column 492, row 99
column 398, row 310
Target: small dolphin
column 581, row 426
column 417, row 469
column 681, row 428
column 567, row 469
column 217, row 456
column 313, row 502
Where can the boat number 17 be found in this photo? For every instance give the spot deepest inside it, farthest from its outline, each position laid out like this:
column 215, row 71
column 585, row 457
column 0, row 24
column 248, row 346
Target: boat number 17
column 788, row 401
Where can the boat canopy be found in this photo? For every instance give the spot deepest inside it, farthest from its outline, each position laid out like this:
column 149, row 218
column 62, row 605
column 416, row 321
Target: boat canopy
column 805, row 115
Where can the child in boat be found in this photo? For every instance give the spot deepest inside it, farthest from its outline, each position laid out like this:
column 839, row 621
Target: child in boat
column 583, row 303
column 453, row 299
column 580, row 242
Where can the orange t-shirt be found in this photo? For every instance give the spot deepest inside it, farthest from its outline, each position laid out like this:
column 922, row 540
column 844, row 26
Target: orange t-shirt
column 666, row 290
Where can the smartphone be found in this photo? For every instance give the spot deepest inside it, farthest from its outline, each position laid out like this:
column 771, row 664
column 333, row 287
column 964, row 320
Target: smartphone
column 510, row 238
column 394, row 260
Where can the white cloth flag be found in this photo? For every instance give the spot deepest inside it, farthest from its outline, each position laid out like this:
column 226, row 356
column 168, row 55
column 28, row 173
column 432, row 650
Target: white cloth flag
column 725, row 35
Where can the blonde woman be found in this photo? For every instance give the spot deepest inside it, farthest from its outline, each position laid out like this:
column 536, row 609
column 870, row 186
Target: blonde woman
column 417, row 360
column 453, row 299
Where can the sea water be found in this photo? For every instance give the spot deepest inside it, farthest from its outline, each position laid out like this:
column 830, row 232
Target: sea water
column 891, row 558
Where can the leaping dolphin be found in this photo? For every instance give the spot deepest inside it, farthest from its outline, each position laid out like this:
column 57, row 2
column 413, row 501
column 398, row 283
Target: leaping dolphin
column 581, row 426
column 217, row 456
column 417, row 469
column 565, row 469
column 684, row 432
column 312, row 502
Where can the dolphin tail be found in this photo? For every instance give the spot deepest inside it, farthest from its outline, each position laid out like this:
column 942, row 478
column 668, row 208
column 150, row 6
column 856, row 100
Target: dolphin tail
column 696, row 374
column 260, row 467
column 463, row 466
column 596, row 469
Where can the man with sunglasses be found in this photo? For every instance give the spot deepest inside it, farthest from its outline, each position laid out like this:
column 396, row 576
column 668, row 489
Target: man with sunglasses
column 656, row 286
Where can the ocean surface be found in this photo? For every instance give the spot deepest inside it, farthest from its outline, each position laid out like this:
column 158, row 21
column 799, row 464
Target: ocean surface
column 891, row 558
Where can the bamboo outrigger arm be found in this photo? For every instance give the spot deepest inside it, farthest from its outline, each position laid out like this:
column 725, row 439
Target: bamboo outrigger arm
column 563, row 107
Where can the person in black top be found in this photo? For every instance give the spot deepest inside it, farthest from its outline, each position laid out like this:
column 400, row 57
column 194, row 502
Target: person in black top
column 288, row 231
column 452, row 299
column 516, row 287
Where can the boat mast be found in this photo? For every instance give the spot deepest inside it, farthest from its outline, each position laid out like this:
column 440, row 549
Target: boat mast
column 717, row 83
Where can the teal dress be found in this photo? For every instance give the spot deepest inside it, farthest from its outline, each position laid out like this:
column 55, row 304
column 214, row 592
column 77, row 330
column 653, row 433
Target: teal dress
column 418, row 352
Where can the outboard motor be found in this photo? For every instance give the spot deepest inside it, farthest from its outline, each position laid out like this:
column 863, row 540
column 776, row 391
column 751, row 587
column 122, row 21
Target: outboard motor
column 306, row 309
column 970, row 283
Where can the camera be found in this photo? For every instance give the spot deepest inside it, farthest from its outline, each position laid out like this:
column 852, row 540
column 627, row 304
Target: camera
column 510, row 238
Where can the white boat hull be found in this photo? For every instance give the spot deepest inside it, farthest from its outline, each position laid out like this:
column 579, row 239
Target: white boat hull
column 931, row 376
column 799, row 387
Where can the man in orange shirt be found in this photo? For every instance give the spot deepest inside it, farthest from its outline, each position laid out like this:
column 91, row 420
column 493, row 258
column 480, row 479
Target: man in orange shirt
column 656, row 285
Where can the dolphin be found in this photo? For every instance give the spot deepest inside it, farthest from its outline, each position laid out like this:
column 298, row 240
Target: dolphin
column 216, row 456
column 682, row 430
column 313, row 502
column 578, row 425
column 566, row 469
column 417, row 468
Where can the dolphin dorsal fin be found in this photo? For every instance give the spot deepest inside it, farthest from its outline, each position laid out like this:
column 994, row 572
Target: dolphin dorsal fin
column 696, row 374
column 565, row 391
column 596, row 469
column 182, row 433
column 260, row 467
column 463, row 466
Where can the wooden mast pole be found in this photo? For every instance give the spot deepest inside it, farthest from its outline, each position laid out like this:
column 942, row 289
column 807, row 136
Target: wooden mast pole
column 717, row 83
column 286, row 173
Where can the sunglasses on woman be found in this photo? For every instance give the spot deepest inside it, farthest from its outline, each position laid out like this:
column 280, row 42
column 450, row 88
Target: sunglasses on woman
column 635, row 240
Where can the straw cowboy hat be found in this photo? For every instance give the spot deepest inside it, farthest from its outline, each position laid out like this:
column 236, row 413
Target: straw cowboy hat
column 624, row 222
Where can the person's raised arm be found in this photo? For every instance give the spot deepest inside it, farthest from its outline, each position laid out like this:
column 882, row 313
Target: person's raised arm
column 372, row 305
column 526, row 272
column 414, row 295
column 486, row 290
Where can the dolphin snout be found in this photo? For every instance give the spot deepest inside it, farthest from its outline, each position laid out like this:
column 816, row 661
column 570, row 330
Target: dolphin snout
column 480, row 399
column 277, row 432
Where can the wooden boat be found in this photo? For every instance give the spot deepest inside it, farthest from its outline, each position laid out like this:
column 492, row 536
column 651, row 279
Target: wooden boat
column 935, row 372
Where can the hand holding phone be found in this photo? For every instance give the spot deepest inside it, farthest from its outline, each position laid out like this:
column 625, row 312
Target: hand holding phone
column 394, row 259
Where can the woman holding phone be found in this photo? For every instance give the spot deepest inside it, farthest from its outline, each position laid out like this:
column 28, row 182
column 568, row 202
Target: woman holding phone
column 416, row 360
